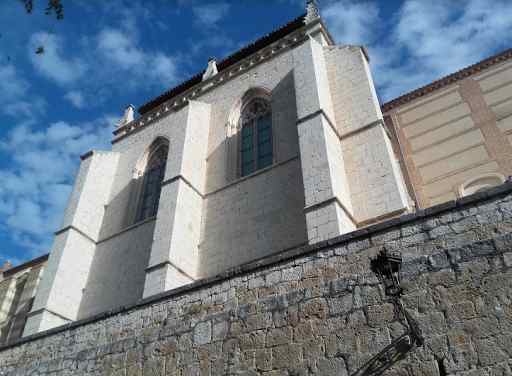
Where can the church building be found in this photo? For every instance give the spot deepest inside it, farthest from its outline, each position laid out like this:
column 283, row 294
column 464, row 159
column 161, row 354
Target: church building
column 281, row 144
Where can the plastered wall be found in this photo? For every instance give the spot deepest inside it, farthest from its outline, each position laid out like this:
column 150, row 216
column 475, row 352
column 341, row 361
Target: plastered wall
column 457, row 133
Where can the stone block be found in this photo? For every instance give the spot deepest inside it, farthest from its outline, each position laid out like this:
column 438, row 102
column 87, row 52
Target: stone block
column 203, row 333
column 279, row 336
column 263, row 359
column 314, row 308
column 331, row 367
column 286, row 356
column 488, row 352
column 379, row 315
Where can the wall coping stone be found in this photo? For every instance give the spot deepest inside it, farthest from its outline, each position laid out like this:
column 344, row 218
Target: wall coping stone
column 286, row 255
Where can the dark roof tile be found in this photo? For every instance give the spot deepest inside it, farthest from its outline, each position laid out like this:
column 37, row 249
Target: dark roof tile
column 28, row 264
column 227, row 62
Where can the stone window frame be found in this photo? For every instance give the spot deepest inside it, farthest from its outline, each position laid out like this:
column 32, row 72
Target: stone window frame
column 479, row 183
column 234, row 132
column 141, row 177
column 254, row 110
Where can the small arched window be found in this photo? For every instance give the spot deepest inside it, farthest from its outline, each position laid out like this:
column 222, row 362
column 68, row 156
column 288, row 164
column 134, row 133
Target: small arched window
column 256, row 136
column 481, row 183
column 152, row 179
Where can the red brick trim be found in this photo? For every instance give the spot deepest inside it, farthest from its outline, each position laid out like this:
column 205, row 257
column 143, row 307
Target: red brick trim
column 447, row 80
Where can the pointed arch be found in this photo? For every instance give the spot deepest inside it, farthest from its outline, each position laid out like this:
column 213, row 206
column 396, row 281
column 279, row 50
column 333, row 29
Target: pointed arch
column 152, row 170
column 250, row 126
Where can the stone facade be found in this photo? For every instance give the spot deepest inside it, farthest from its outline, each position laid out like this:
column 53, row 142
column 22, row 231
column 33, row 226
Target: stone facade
column 210, row 216
column 317, row 309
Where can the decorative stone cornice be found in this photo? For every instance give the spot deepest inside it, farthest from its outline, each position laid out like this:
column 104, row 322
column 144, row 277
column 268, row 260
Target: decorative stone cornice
column 244, row 65
column 25, row 265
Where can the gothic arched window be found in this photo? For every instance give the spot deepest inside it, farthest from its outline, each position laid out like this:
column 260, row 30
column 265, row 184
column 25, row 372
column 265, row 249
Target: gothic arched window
column 256, row 137
column 152, row 180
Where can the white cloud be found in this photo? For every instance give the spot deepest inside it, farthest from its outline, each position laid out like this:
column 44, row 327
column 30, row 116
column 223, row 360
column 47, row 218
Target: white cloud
column 52, row 63
column 424, row 41
column 76, row 98
column 351, row 22
column 119, row 49
column 103, row 62
column 13, row 86
column 26, row 110
column 214, row 38
column 164, row 68
column 208, row 15
column 35, row 187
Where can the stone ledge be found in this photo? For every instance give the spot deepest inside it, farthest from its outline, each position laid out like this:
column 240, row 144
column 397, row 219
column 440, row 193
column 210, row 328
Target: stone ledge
column 126, row 229
column 182, row 178
column 461, row 254
column 252, row 175
column 84, row 156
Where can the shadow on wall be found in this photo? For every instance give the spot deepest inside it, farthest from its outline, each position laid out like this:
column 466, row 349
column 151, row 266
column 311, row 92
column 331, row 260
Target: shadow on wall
column 261, row 214
column 117, row 273
column 390, row 355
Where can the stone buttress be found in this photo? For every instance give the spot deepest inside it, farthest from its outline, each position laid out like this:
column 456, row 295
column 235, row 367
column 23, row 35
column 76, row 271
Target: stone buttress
column 59, row 295
column 174, row 254
column 351, row 176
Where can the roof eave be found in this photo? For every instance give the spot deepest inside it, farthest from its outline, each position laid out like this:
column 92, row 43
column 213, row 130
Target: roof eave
column 232, row 59
column 447, row 80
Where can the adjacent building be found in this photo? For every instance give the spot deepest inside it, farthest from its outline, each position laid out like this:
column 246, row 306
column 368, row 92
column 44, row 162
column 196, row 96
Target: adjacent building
column 18, row 286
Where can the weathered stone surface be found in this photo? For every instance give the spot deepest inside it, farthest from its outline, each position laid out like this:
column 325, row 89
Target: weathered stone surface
column 322, row 312
column 203, row 333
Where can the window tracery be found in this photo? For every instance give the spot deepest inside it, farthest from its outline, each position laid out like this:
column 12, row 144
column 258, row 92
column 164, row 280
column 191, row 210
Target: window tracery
column 256, row 136
column 152, row 181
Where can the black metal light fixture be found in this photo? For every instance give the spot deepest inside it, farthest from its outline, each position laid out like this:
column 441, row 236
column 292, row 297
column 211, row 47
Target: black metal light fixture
column 387, row 266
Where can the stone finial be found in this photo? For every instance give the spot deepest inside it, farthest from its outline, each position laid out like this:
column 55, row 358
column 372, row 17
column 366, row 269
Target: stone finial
column 312, row 12
column 128, row 116
column 211, row 70
column 6, row 266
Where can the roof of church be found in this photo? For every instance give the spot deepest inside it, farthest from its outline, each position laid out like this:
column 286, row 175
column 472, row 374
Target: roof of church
column 28, row 264
column 447, row 80
column 296, row 24
column 227, row 62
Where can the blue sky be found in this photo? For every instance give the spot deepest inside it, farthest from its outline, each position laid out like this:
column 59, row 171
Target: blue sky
column 106, row 54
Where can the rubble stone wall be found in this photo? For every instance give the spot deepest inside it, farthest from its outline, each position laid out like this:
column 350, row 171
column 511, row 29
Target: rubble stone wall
column 315, row 310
